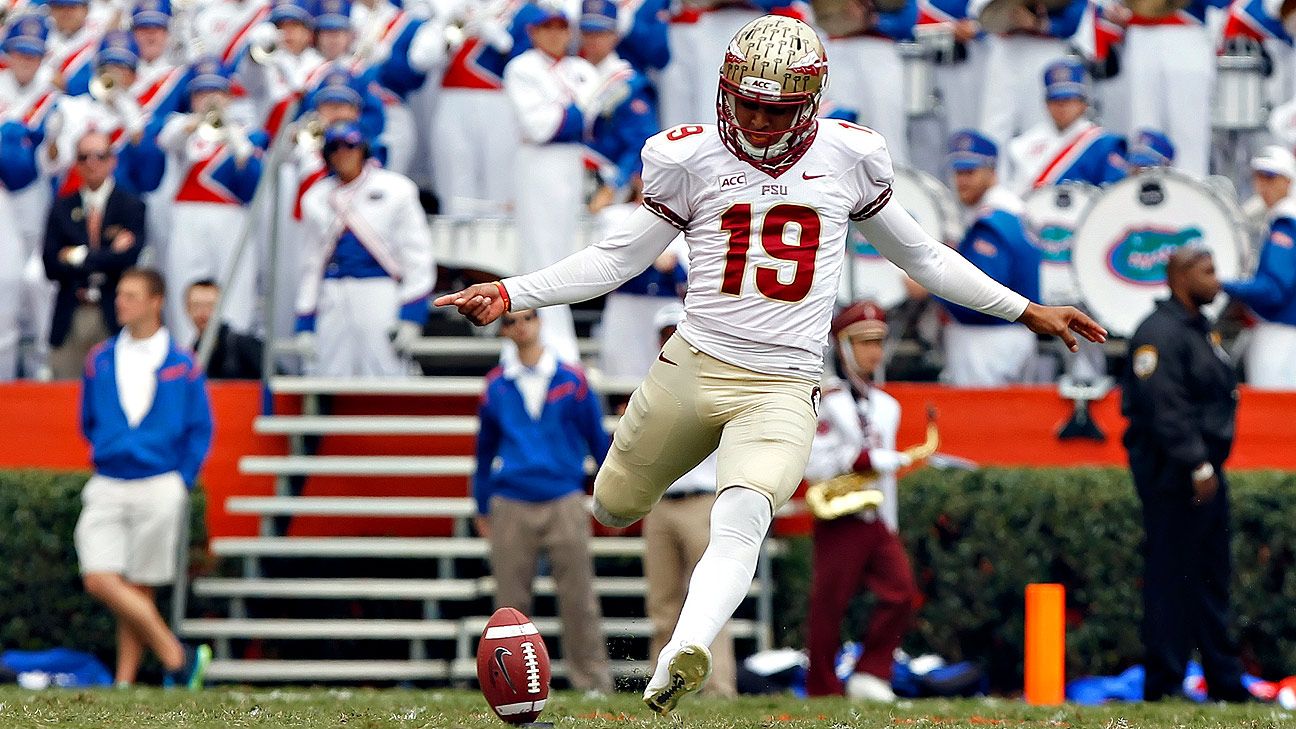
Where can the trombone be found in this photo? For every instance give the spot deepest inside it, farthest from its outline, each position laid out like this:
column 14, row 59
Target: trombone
column 854, row 492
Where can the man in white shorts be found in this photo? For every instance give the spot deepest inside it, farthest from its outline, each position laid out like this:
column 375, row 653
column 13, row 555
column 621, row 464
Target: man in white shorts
column 764, row 199
column 145, row 411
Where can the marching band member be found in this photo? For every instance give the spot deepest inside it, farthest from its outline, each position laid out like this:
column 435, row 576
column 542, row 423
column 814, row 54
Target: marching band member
column 553, row 97
column 619, row 135
column 71, row 45
column 397, row 51
column 1271, row 292
column 110, row 107
column 474, row 133
column 159, row 89
column 959, row 78
column 337, row 101
column 860, row 550
column 27, row 95
column 1170, row 61
column 281, row 60
column 1015, row 63
column 219, row 164
column 1068, row 147
column 369, row 270
column 223, row 28
column 870, row 71
column 979, row 352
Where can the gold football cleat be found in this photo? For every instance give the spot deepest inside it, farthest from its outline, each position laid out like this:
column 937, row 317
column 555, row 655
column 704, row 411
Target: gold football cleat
column 689, row 669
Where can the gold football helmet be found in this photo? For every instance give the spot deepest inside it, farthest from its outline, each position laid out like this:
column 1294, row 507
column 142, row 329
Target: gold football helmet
column 774, row 73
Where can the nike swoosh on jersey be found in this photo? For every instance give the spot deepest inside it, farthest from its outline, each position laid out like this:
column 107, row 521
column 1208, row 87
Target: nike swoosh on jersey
column 808, row 176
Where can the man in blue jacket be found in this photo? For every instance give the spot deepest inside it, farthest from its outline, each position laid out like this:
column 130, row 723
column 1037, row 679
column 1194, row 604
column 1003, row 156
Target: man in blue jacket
column 539, row 421
column 1271, row 291
column 145, row 411
column 980, row 350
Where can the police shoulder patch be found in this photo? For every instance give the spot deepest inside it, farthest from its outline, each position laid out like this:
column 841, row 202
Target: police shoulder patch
column 1145, row 361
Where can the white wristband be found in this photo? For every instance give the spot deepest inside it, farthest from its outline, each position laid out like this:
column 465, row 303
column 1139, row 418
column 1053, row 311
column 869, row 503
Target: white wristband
column 1203, row 472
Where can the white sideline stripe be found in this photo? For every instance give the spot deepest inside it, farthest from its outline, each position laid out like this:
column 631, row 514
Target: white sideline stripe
column 520, row 708
column 510, row 631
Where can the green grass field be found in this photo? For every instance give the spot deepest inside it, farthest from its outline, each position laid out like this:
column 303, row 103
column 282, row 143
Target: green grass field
column 454, row 709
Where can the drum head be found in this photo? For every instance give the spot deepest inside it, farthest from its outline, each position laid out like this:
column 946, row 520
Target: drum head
column 1053, row 213
column 1122, row 245
column 877, row 278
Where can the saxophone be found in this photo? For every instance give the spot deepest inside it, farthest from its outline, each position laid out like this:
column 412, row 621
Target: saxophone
column 854, row 492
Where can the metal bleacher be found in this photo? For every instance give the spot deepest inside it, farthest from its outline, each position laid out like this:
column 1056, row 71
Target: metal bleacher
column 441, row 637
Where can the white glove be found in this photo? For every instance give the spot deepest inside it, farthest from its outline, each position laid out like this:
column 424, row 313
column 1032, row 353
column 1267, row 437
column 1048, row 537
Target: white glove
column 132, row 116
column 491, row 32
column 888, row 461
column 403, row 335
column 77, row 256
column 304, row 343
column 240, row 146
column 611, row 91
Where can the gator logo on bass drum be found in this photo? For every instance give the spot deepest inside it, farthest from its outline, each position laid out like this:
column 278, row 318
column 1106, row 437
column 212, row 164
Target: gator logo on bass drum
column 1054, row 243
column 1140, row 255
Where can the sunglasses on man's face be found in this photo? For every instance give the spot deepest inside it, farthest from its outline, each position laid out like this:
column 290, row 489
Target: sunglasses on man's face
column 97, row 156
column 509, row 321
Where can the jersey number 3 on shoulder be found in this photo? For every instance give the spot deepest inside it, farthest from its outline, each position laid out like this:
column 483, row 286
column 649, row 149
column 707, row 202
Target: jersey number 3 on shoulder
column 737, row 222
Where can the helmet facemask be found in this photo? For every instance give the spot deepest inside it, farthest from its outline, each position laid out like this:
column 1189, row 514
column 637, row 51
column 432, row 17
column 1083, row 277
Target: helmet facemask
column 778, row 152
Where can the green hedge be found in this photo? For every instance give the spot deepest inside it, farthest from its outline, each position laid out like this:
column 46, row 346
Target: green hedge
column 42, row 603
column 977, row 538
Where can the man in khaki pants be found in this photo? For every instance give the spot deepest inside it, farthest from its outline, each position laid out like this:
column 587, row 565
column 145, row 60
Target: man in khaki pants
column 676, row 533
column 539, row 421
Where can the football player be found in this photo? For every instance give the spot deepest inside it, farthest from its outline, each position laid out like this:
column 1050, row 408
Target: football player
column 764, row 199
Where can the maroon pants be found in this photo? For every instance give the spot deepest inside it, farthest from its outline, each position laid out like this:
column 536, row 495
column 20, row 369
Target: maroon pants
column 850, row 555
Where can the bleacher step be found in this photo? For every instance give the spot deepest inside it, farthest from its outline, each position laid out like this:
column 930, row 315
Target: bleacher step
column 462, row 425
column 305, row 629
column 345, row 671
column 421, row 386
column 454, row 507
column 408, row 547
column 357, row 465
column 398, row 589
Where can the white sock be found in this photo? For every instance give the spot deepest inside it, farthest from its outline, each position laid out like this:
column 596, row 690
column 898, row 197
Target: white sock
column 723, row 576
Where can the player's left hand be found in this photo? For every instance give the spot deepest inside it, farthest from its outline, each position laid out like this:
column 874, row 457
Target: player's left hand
column 1060, row 321
column 481, row 304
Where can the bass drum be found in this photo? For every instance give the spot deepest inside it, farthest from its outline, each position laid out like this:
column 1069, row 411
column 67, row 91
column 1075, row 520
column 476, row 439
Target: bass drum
column 1053, row 213
column 936, row 210
column 1122, row 245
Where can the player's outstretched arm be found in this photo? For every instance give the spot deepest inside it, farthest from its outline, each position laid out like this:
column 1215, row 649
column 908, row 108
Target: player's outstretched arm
column 941, row 270
column 626, row 252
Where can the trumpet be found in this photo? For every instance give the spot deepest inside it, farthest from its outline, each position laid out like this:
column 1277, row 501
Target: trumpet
column 103, row 87
column 213, row 127
column 850, row 493
column 310, row 132
column 261, row 53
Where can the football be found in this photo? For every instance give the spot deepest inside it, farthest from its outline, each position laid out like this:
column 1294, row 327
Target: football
column 513, row 667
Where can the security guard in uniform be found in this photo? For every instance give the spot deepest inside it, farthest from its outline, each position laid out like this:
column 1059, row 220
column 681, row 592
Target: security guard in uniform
column 1180, row 397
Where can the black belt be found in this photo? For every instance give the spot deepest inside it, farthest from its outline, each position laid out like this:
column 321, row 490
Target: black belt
column 679, row 495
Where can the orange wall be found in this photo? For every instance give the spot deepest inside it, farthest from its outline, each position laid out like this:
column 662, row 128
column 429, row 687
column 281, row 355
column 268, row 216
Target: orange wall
column 1011, row 427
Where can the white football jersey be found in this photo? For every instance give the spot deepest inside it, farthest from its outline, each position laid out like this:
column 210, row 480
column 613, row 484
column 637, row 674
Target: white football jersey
column 765, row 253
